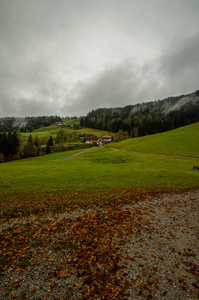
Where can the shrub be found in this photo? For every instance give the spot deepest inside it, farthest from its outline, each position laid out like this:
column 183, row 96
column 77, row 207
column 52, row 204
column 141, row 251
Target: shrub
column 2, row 158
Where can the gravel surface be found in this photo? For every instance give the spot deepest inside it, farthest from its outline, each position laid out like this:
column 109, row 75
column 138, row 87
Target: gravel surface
column 167, row 253
column 159, row 261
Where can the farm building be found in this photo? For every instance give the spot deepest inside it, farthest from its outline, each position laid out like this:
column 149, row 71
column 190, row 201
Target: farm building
column 59, row 123
column 91, row 140
column 107, row 138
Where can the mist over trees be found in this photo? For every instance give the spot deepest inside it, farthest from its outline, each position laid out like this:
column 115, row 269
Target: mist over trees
column 26, row 124
column 129, row 121
column 10, row 128
column 146, row 118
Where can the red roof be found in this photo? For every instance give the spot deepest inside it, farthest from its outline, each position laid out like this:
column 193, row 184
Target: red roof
column 107, row 137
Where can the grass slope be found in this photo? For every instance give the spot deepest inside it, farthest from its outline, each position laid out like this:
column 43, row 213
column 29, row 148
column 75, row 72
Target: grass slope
column 44, row 133
column 103, row 167
column 97, row 168
column 183, row 141
column 36, row 183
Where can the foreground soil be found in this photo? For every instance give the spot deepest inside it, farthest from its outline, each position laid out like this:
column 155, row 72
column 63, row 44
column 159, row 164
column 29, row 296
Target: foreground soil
column 143, row 248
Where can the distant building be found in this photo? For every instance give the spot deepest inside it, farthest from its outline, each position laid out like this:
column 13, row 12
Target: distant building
column 81, row 136
column 85, row 136
column 91, row 139
column 104, row 140
column 107, row 138
column 60, row 123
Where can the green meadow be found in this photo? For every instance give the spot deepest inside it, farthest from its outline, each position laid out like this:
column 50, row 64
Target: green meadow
column 183, row 141
column 102, row 167
column 151, row 163
column 44, row 133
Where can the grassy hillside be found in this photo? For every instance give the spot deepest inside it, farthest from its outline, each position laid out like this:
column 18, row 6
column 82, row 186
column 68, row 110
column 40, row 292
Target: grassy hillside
column 103, row 167
column 71, row 121
column 99, row 173
column 97, row 168
column 183, row 141
column 45, row 132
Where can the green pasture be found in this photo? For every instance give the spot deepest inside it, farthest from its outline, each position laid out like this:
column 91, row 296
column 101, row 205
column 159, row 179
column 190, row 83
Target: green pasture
column 101, row 168
column 97, row 132
column 44, row 133
column 56, row 127
column 47, row 129
column 97, row 168
column 71, row 121
column 183, row 141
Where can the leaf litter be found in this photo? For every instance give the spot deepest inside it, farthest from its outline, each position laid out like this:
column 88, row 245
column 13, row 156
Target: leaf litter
column 141, row 246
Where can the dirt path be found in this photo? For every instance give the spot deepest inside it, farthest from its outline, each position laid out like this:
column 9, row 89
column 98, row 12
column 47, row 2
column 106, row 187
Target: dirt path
column 136, row 152
column 74, row 154
column 156, row 154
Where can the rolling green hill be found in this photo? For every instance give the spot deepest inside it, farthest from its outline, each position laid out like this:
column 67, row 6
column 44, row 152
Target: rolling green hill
column 56, row 180
column 103, row 167
column 183, row 141
column 45, row 132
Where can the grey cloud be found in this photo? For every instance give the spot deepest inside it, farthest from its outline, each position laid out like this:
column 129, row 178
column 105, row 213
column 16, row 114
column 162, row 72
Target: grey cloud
column 179, row 66
column 36, row 107
column 118, row 85
column 184, row 58
column 68, row 57
column 127, row 83
column 24, row 107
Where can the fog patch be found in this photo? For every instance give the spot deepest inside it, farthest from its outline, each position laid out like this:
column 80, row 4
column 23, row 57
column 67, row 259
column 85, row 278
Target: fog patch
column 19, row 123
column 180, row 103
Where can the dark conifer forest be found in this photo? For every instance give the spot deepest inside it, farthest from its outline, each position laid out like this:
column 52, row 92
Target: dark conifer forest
column 129, row 121
column 146, row 118
column 26, row 124
column 9, row 145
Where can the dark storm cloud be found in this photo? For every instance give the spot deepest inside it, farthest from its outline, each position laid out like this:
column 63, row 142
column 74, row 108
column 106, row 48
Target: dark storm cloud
column 180, row 66
column 117, row 85
column 174, row 73
column 67, row 57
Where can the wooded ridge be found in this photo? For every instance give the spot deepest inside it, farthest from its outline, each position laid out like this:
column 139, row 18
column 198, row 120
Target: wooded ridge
column 27, row 123
column 146, row 118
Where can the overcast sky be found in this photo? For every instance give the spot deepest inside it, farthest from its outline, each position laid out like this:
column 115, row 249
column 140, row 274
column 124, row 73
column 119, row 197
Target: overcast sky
column 67, row 57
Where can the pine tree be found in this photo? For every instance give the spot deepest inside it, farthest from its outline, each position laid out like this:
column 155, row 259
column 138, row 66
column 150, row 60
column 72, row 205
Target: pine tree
column 3, row 144
column 50, row 141
column 30, row 149
column 2, row 158
column 15, row 142
column 48, row 150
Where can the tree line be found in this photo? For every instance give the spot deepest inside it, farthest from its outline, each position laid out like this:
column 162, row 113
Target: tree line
column 12, row 147
column 9, row 146
column 26, row 124
column 146, row 118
